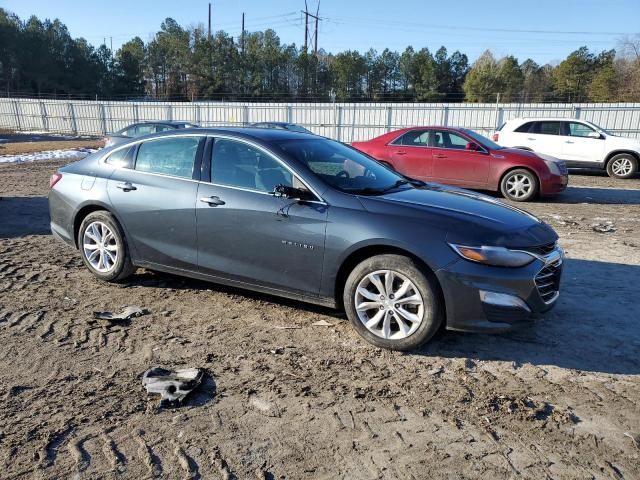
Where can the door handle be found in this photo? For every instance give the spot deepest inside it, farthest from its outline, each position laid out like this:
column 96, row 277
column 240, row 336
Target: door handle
column 568, row 141
column 126, row 186
column 213, row 201
column 439, row 155
column 529, row 138
column 401, row 152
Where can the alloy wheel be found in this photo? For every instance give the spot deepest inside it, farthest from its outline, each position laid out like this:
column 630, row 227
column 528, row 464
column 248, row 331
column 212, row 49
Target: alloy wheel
column 519, row 185
column 100, row 247
column 622, row 166
column 389, row 305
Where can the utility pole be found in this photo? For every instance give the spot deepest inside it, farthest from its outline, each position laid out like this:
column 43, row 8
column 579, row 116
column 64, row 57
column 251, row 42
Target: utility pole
column 242, row 35
column 315, row 48
column 306, row 25
column 209, row 19
column 314, row 37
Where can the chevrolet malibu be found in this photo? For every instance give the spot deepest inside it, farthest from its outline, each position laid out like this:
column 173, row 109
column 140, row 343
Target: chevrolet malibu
column 461, row 157
column 308, row 218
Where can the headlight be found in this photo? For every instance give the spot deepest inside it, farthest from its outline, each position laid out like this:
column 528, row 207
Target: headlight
column 553, row 167
column 553, row 164
column 496, row 256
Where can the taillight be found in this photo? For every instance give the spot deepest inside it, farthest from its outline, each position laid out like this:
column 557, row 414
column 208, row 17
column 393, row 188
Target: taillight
column 495, row 136
column 55, row 178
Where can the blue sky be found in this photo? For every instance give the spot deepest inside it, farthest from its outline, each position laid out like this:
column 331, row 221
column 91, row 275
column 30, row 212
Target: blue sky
column 545, row 30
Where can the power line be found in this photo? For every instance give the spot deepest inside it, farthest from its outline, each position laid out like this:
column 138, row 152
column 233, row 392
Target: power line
column 387, row 22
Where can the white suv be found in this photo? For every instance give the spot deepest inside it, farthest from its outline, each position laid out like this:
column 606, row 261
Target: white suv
column 579, row 143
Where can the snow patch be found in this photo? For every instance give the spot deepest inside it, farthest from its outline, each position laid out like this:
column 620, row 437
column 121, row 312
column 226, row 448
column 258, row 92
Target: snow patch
column 67, row 154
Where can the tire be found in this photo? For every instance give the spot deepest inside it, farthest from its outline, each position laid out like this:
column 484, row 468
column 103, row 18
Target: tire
column 386, row 331
column 519, row 185
column 623, row 165
column 113, row 261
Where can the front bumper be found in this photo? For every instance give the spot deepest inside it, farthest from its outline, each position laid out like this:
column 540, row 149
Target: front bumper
column 493, row 299
column 553, row 184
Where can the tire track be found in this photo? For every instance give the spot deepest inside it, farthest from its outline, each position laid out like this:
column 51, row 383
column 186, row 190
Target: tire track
column 150, row 459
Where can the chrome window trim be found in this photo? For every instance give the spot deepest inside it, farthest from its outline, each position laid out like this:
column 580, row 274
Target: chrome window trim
column 103, row 160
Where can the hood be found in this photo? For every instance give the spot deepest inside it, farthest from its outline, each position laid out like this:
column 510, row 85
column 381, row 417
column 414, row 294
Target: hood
column 467, row 217
column 614, row 141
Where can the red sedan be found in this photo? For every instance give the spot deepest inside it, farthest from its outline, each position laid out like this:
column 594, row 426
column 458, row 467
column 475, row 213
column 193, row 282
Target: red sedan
column 461, row 157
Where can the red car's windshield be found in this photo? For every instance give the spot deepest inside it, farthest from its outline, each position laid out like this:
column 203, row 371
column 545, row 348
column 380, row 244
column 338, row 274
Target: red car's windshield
column 484, row 141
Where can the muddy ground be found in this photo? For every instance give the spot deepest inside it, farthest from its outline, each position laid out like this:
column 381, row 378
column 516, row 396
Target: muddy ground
column 288, row 399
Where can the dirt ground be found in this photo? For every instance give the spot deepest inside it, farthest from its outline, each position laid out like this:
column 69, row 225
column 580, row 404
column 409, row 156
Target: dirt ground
column 16, row 146
column 288, row 399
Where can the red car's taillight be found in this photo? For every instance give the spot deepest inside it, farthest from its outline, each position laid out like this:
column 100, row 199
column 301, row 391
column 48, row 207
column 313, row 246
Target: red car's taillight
column 55, row 178
column 495, row 136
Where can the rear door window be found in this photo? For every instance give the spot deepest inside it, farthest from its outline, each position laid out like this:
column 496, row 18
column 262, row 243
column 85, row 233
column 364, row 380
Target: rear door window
column 414, row 138
column 174, row 156
column 546, row 128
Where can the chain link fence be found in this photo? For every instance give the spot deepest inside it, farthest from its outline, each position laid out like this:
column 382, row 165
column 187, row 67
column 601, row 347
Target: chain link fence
column 346, row 122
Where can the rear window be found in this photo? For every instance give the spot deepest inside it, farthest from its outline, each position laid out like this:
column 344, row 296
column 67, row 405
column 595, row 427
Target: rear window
column 120, row 158
column 524, row 128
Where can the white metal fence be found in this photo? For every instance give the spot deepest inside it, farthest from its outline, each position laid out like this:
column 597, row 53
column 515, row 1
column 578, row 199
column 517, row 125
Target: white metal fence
column 343, row 121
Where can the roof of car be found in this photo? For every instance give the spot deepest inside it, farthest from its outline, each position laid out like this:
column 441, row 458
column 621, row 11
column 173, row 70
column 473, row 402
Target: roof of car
column 265, row 134
column 546, row 119
column 166, row 122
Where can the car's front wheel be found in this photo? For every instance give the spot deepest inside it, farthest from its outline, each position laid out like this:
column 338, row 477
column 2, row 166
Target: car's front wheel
column 519, row 185
column 103, row 247
column 622, row 166
column 392, row 303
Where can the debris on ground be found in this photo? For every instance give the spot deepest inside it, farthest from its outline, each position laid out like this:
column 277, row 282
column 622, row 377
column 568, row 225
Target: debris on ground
column 263, row 406
column 635, row 438
column 322, row 323
column 127, row 314
column 607, row 227
column 173, row 386
column 287, row 327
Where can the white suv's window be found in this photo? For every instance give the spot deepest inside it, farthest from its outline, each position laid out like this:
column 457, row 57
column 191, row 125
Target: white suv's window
column 546, row 128
column 579, row 129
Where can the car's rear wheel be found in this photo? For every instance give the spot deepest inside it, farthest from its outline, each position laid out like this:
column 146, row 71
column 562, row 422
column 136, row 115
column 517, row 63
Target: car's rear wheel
column 103, row 247
column 519, row 185
column 392, row 303
column 622, row 165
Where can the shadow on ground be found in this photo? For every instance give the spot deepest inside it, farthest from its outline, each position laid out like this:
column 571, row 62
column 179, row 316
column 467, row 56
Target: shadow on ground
column 22, row 216
column 594, row 327
column 598, row 196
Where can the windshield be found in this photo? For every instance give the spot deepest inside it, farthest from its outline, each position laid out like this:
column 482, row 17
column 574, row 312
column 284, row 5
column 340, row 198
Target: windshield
column 597, row 127
column 343, row 167
column 484, row 141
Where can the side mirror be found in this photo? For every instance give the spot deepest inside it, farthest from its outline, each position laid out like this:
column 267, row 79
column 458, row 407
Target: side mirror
column 594, row 135
column 285, row 191
column 472, row 146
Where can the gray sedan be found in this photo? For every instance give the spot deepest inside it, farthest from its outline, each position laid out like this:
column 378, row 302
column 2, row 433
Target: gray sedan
column 309, row 218
column 136, row 130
